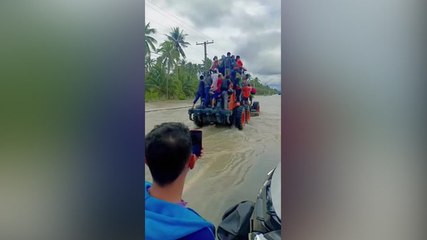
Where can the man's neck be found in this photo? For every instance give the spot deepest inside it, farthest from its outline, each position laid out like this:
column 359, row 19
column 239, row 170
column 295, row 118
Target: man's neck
column 170, row 193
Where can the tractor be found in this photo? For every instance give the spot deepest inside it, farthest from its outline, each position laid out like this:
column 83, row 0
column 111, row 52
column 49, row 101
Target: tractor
column 235, row 114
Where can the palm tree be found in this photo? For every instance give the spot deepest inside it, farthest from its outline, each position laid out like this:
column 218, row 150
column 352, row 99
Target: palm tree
column 178, row 38
column 149, row 40
column 169, row 55
column 169, row 58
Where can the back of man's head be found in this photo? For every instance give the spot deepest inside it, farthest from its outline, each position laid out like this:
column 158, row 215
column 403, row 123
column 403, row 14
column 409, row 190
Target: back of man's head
column 167, row 150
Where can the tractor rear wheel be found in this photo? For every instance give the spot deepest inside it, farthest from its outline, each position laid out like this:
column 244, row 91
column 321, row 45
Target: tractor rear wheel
column 239, row 117
column 198, row 121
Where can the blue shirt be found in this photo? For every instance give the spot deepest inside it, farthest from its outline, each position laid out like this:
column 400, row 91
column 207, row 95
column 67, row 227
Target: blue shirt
column 170, row 221
column 201, row 88
column 228, row 62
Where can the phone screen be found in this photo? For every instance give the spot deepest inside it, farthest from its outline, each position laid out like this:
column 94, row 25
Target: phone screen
column 196, row 139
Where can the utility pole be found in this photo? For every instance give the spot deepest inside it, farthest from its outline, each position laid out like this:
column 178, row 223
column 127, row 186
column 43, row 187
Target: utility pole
column 206, row 53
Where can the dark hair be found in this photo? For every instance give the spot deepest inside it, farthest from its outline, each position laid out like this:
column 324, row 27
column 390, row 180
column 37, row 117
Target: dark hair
column 229, row 53
column 237, row 57
column 167, row 149
column 201, row 77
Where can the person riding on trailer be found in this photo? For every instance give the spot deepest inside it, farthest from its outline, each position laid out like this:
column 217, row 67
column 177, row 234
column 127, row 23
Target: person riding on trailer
column 200, row 91
column 239, row 65
column 208, row 84
column 214, row 87
column 237, row 85
column 246, row 93
column 233, row 62
column 215, row 63
column 221, row 67
column 226, row 88
column 217, row 89
column 228, row 64
column 253, row 92
column 246, row 79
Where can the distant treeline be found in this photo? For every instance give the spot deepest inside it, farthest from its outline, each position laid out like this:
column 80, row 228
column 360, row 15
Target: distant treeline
column 169, row 76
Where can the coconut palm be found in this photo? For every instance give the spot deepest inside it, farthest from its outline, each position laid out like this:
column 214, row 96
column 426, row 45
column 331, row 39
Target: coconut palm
column 169, row 55
column 169, row 58
column 149, row 40
column 177, row 36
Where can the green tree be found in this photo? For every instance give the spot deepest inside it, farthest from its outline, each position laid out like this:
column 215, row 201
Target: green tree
column 177, row 36
column 169, row 55
column 155, row 81
column 169, row 58
column 149, row 40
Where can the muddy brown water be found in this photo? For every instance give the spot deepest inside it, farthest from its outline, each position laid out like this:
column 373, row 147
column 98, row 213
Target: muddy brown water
column 234, row 163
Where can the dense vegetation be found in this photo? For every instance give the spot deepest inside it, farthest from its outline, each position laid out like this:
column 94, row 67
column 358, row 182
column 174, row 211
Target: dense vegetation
column 169, row 75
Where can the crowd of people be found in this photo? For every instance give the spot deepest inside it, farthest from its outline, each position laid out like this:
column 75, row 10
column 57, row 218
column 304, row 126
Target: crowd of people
column 226, row 75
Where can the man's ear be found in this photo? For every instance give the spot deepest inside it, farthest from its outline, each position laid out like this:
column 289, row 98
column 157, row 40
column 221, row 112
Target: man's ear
column 192, row 161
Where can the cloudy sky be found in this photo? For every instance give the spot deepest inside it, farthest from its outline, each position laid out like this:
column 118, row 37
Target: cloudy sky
column 249, row 28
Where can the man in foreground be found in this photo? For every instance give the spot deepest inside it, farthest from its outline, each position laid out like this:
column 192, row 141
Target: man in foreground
column 168, row 155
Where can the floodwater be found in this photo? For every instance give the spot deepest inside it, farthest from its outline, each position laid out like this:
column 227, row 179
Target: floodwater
column 234, row 163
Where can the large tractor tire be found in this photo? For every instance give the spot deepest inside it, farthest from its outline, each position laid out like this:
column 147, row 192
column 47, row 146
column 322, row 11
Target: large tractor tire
column 240, row 117
column 198, row 121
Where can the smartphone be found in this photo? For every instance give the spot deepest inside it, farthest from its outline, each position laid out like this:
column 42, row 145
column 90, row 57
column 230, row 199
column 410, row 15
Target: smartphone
column 196, row 139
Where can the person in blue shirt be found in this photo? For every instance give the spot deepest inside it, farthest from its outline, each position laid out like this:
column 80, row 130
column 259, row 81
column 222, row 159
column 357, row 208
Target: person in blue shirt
column 228, row 64
column 200, row 91
column 169, row 157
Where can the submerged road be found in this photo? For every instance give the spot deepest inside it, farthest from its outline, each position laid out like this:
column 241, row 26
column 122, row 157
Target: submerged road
column 235, row 163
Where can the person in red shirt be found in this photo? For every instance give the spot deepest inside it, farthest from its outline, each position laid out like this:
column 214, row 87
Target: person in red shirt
column 253, row 92
column 246, row 93
column 239, row 65
column 217, row 92
column 215, row 64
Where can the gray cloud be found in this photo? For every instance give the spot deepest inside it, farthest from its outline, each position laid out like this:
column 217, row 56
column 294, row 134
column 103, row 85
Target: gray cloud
column 202, row 13
column 261, row 53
